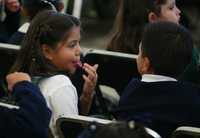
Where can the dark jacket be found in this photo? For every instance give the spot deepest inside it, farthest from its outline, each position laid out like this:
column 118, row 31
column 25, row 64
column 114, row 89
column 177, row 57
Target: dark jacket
column 9, row 25
column 31, row 120
column 162, row 106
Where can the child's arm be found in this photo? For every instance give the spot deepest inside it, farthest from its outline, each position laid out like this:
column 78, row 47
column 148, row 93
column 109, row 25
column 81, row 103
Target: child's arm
column 31, row 119
column 88, row 88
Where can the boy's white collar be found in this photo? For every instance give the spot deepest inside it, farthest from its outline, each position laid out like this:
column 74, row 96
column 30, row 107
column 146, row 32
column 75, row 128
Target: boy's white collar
column 156, row 78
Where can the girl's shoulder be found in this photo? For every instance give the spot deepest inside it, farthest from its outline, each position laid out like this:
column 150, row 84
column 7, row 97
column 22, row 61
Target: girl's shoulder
column 60, row 79
column 55, row 81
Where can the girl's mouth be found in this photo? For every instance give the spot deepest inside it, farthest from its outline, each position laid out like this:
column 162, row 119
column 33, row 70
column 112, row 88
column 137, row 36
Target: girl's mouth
column 78, row 64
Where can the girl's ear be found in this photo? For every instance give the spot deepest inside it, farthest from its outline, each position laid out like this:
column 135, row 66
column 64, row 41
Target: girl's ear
column 47, row 52
column 152, row 17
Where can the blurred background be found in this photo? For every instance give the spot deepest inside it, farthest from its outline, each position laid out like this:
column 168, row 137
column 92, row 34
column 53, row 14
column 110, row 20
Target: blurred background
column 97, row 17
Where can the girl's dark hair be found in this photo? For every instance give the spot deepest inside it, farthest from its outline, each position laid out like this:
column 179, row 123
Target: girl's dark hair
column 35, row 6
column 50, row 28
column 116, row 130
column 168, row 47
column 131, row 18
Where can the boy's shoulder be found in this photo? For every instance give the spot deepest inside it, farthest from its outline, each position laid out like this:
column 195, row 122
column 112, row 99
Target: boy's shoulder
column 189, row 86
column 133, row 84
column 158, row 93
column 165, row 85
column 137, row 87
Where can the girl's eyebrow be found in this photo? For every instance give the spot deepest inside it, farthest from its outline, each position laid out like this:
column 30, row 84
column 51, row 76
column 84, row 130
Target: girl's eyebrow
column 70, row 40
column 172, row 2
column 73, row 40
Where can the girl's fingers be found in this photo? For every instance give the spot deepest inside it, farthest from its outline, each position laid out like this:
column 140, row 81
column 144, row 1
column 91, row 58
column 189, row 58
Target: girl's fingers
column 92, row 68
column 91, row 75
column 88, row 81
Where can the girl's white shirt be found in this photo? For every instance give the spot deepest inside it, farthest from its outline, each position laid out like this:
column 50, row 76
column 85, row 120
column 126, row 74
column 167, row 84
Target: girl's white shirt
column 61, row 97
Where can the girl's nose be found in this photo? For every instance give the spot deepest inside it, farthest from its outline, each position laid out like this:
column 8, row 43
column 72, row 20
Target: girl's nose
column 78, row 50
column 178, row 11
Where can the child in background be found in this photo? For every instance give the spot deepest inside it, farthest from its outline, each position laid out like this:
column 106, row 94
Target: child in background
column 51, row 49
column 9, row 18
column 30, row 8
column 158, row 100
column 190, row 19
column 133, row 15
column 131, row 18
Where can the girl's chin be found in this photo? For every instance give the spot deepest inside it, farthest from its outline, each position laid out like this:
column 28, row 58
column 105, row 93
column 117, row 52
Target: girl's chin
column 72, row 71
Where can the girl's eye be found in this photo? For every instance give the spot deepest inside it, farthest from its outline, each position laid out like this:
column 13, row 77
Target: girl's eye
column 73, row 44
column 171, row 7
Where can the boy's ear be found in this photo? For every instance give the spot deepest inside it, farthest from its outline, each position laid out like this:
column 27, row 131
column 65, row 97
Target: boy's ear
column 47, row 51
column 152, row 17
column 147, row 65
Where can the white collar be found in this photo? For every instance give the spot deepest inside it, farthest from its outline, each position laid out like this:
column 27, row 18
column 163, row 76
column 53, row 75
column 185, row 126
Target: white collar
column 24, row 27
column 156, row 78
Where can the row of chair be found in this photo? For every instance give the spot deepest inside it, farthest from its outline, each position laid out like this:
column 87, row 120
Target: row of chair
column 72, row 126
column 115, row 71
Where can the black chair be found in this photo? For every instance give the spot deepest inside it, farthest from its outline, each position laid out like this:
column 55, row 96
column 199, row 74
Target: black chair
column 72, row 126
column 186, row 132
column 8, row 54
column 115, row 70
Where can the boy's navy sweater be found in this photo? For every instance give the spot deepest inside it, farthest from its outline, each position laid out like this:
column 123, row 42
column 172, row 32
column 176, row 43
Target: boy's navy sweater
column 31, row 120
column 162, row 106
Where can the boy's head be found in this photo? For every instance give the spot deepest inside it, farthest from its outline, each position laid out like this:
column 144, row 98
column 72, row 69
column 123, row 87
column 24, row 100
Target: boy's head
column 166, row 49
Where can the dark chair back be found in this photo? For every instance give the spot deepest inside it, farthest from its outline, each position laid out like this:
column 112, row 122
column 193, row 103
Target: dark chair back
column 72, row 126
column 186, row 132
column 115, row 69
column 8, row 54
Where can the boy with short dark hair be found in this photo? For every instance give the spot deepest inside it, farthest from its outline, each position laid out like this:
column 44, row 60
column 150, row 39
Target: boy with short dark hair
column 158, row 100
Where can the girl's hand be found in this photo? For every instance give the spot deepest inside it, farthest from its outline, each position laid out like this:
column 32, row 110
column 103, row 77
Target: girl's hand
column 16, row 77
column 90, row 79
column 88, row 87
